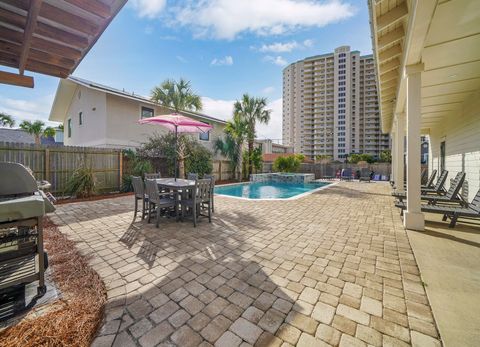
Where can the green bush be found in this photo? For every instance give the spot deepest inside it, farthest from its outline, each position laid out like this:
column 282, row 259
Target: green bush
column 289, row 163
column 82, row 183
column 199, row 160
column 355, row 158
column 195, row 157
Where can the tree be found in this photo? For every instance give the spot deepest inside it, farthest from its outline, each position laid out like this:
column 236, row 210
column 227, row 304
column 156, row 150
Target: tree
column 37, row 129
column 180, row 97
column 6, row 120
column 177, row 95
column 386, row 156
column 290, row 163
column 355, row 158
column 231, row 145
column 251, row 110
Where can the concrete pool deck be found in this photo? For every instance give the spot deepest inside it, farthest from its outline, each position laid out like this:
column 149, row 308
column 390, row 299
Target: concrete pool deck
column 333, row 268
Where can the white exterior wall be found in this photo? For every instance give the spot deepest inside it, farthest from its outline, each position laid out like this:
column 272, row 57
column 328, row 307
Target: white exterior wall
column 462, row 143
column 93, row 106
column 123, row 129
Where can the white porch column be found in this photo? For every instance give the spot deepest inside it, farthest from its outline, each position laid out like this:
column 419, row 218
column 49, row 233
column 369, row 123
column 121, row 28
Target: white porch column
column 413, row 216
column 392, row 165
column 399, row 153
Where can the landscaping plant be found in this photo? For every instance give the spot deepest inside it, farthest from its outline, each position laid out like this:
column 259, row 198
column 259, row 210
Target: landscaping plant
column 82, row 182
column 289, row 163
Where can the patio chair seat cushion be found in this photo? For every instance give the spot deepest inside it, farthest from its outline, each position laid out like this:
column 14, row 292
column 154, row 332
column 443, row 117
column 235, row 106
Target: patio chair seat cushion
column 21, row 208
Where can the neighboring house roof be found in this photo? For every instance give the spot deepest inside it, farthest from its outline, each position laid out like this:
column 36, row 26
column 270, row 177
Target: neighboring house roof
column 21, row 136
column 66, row 90
column 270, row 157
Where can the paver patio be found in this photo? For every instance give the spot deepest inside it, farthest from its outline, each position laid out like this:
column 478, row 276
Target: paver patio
column 332, row 268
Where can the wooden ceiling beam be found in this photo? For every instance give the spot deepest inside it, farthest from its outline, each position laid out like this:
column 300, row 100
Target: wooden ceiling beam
column 391, row 75
column 43, row 29
column 388, row 84
column 393, row 16
column 16, row 80
column 68, row 19
column 93, row 6
column 391, row 37
column 28, row 33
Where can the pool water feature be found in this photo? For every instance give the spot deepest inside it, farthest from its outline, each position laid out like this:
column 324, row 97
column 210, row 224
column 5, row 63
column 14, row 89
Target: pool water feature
column 269, row 189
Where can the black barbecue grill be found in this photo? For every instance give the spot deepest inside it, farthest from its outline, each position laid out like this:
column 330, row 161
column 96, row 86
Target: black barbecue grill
column 22, row 208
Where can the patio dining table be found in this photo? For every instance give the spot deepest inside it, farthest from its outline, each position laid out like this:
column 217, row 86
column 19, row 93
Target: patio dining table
column 179, row 186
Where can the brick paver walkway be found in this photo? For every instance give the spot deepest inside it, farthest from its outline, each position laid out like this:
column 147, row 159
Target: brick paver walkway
column 332, row 268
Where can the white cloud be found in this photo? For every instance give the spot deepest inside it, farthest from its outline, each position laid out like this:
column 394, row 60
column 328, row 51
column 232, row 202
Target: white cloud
column 282, row 47
column 32, row 109
column 278, row 60
column 223, row 109
column 148, row 30
column 279, row 47
column 268, row 90
column 225, row 19
column 182, row 59
column 227, row 60
column 308, row 43
column 148, row 8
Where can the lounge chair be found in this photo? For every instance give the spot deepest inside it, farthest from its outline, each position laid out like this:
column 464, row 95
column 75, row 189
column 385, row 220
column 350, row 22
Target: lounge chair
column 437, row 189
column 424, row 176
column 365, row 175
column 429, row 184
column 451, row 196
column 452, row 212
column 346, row 174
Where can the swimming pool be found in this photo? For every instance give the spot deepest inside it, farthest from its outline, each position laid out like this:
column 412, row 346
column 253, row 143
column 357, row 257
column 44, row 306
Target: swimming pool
column 269, row 190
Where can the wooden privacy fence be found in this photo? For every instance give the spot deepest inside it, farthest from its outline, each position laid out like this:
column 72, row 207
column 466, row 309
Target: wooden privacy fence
column 56, row 163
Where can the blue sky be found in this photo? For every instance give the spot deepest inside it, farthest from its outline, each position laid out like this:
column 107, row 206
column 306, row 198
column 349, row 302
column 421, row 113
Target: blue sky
column 224, row 47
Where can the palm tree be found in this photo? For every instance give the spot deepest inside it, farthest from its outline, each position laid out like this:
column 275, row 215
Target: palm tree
column 231, row 147
column 37, row 129
column 6, row 120
column 180, row 97
column 177, row 95
column 251, row 110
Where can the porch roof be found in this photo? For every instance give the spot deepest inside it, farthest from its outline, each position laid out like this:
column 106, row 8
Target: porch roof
column 50, row 37
column 444, row 36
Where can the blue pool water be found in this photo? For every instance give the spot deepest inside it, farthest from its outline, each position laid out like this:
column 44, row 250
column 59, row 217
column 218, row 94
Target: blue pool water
column 268, row 190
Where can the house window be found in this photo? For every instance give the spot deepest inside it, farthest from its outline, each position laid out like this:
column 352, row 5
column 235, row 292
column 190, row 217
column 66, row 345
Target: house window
column 80, row 118
column 69, row 127
column 146, row 112
column 204, row 136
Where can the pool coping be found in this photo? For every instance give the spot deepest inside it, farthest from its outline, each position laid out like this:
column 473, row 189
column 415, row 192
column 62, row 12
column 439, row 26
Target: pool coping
column 295, row 197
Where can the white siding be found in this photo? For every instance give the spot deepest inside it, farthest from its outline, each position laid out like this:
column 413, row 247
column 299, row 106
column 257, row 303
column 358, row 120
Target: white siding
column 461, row 134
column 92, row 132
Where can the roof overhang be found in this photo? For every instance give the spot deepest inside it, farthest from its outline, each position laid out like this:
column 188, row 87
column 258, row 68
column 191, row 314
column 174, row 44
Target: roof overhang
column 66, row 91
column 48, row 36
column 442, row 35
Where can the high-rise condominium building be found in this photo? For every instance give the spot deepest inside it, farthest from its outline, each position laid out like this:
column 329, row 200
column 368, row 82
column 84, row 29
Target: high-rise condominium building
column 330, row 106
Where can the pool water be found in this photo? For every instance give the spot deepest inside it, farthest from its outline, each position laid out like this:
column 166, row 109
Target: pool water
column 268, row 190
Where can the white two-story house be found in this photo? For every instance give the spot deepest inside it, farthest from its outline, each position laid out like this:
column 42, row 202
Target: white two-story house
column 95, row 115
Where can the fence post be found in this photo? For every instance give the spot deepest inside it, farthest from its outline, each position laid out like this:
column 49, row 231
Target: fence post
column 46, row 163
column 220, row 170
column 120, row 170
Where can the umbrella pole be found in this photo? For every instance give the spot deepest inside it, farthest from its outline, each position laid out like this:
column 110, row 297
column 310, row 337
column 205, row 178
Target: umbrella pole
column 176, row 152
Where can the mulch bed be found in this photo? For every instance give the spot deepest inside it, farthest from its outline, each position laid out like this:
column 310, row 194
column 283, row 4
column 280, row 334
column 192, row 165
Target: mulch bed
column 92, row 198
column 72, row 320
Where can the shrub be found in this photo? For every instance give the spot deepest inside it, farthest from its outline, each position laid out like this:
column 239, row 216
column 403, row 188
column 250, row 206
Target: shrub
column 386, row 156
column 289, row 163
column 82, row 183
column 355, row 158
column 199, row 160
column 192, row 156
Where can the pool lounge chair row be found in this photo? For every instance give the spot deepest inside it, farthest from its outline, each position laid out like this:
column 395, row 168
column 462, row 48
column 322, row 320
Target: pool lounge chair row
column 450, row 203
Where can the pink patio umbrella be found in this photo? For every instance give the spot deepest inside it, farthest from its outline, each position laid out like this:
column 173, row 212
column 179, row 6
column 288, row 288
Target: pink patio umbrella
column 179, row 124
